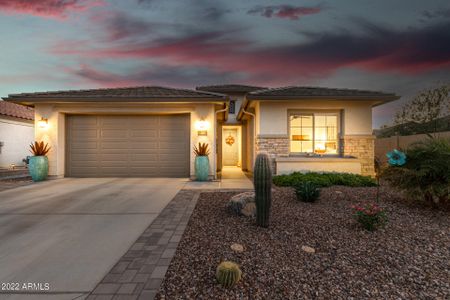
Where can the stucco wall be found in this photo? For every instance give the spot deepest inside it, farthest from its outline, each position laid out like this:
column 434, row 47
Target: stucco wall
column 55, row 133
column 355, row 134
column 16, row 136
column 357, row 115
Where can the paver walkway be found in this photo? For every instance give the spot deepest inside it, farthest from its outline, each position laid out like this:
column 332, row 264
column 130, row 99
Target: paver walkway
column 139, row 273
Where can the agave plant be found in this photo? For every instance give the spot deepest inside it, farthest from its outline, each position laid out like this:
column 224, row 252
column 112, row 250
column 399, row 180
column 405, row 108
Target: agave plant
column 39, row 148
column 201, row 150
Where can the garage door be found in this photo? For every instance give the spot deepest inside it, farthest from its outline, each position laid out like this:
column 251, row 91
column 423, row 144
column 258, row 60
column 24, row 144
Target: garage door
column 127, row 146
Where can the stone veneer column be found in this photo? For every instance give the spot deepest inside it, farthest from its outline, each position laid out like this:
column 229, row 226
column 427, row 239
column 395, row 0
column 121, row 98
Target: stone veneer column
column 274, row 145
column 362, row 147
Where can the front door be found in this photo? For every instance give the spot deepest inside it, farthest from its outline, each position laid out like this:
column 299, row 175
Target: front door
column 230, row 147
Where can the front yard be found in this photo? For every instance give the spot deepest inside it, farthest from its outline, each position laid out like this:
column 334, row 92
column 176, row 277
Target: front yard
column 409, row 258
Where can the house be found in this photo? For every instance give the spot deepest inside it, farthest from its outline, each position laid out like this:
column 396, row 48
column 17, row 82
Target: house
column 16, row 133
column 150, row 131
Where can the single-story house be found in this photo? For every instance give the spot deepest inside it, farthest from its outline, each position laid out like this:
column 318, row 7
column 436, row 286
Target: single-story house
column 16, row 133
column 151, row 131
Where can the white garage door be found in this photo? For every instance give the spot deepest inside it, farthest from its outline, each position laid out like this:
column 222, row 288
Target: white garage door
column 127, row 146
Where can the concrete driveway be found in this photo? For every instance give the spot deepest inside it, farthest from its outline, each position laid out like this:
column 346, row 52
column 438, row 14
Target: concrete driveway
column 68, row 233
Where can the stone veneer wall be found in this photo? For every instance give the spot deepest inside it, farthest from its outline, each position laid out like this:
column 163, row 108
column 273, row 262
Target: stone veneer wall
column 274, row 145
column 359, row 146
column 362, row 147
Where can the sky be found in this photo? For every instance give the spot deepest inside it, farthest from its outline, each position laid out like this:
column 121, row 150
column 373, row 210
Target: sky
column 400, row 46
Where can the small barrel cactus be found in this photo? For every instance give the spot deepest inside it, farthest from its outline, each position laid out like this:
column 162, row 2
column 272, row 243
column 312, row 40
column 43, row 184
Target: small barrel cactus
column 228, row 274
column 262, row 180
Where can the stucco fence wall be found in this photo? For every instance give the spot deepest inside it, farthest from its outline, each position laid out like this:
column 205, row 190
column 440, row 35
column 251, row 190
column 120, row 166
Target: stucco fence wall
column 384, row 145
column 16, row 137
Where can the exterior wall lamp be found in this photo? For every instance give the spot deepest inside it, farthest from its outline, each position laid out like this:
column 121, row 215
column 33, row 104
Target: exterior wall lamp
column 43, row 123
column 202, row 127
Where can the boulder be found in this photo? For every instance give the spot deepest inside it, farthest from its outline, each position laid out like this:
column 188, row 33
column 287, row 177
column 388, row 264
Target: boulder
column 249, row 209
column 238, row 202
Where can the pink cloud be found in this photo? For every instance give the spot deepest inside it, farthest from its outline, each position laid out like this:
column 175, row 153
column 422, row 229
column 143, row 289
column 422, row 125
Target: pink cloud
column 47, row 8
column 407, row 52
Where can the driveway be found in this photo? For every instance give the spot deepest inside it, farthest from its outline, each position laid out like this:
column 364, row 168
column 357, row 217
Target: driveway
column 68, row 233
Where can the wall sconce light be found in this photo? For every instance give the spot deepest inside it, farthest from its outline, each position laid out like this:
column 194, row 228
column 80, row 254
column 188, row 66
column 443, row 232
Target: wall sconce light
column 43, row 123
column 202, row 127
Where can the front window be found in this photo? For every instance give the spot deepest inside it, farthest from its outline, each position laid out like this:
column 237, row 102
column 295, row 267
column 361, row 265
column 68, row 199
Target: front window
column 314, row 133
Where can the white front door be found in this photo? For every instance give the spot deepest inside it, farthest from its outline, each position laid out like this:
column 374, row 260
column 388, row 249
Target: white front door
column 230, row 146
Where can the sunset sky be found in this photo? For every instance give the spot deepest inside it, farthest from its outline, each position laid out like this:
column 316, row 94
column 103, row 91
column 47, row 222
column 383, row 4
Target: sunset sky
column 393, row 46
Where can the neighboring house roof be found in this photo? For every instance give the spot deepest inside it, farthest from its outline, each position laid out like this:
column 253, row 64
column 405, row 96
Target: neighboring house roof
column 16, row 111
column 409, row 128
column 129, row 94
column 297, row 92
column 229, row 88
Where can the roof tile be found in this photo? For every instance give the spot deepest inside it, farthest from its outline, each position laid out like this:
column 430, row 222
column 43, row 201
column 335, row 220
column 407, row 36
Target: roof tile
column 16, row 110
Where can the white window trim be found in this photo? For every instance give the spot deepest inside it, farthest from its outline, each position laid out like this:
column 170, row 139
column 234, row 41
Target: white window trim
column 336, row 113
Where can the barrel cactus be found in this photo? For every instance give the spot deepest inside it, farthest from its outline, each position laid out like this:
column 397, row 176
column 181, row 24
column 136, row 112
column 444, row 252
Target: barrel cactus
column 262, row 180
column 228, row 274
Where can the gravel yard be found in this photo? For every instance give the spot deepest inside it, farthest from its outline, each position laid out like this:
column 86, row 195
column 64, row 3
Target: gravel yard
column 409, row 258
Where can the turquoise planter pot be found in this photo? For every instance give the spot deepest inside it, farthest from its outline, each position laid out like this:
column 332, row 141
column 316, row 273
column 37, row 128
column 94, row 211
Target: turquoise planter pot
column 201, row 168
column 38, row 168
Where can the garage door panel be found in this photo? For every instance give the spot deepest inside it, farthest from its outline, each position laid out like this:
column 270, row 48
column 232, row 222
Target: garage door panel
column 113, row 133
column 85, row 133
column 143, row 133
column 114, row 145
column 128, row 146
column 144, row 145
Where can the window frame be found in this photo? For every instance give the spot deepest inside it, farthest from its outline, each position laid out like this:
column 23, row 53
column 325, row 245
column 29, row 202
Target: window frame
column 313, row 113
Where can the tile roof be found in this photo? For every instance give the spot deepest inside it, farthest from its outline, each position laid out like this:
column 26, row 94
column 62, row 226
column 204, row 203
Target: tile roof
column 143, row 93
column 229, row 88
column 296, row 92
column 15, row 110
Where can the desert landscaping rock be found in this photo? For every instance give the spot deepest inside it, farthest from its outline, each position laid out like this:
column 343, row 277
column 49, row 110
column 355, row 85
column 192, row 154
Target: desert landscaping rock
column 237, row 247
column 249, row 210
column 408, row 259
column 308, row 249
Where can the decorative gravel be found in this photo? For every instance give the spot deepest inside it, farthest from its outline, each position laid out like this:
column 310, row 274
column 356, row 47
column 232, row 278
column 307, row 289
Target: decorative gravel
column 408, row 259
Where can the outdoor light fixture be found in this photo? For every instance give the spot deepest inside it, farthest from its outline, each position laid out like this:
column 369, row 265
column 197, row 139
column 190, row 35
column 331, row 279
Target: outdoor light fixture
column 202, row 127
column 43, row 123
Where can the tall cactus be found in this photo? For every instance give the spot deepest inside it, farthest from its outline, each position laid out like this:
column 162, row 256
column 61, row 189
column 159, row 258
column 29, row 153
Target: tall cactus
column 262, row 180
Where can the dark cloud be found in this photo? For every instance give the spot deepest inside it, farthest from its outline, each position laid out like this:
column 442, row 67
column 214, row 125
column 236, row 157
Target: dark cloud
column 284, row 11
column 47, row 8
column 433, row 14
column 118, row 25
column 152, row 75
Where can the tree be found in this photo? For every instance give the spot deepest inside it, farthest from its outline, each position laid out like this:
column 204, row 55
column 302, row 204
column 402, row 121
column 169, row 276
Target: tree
column 426, row 106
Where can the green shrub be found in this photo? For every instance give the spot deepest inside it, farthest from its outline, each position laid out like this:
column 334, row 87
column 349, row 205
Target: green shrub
column 426, row 174
column 370, row 216
column 307, row 191
column 324, row 179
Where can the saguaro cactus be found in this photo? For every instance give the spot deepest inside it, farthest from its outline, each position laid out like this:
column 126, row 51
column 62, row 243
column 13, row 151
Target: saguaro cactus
column 262, row 180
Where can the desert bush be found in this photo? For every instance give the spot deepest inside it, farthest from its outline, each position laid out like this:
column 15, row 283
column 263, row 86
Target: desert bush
column 369, row 215
column 307, row 191
column 324, row 179
column 425, row 176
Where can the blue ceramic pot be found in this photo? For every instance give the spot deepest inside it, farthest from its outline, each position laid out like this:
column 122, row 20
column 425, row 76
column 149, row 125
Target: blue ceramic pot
column 201, row 168
column 38, row 168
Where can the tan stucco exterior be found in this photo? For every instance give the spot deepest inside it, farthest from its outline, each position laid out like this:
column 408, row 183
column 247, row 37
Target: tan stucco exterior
column 355, row 131
column 273, row 116
column 56, row 115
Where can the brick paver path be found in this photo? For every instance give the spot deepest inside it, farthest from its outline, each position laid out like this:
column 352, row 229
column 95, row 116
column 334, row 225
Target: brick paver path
column 139, row 273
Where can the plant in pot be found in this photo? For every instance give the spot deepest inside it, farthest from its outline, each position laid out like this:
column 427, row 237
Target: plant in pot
column 201, row 162
column 38, row 164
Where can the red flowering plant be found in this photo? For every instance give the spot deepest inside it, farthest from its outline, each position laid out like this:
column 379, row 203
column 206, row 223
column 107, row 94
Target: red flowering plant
column 369, row 215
